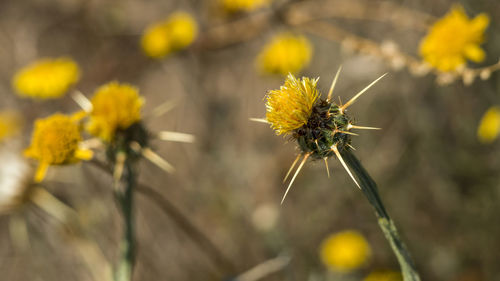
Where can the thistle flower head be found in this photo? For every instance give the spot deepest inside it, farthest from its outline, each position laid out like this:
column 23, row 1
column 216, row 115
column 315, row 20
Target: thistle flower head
column 233, row 6
column 114, row 106
column 46, row 78
column 289, row 108
column 320, row 126
column 345, row 251
column 10, row 124
column 286, row 53
column 454, row 39
column 176, row 32
column 55, row 141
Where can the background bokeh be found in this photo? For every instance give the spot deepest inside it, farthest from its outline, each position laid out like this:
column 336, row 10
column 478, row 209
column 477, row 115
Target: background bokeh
column 439, row 183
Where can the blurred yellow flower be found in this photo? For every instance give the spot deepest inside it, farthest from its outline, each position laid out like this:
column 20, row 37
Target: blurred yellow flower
column 489, row 127
column 175, row 33
column 114, row 106
column 345, row 251
column 55, row 141
column 384, row 275
column 46, row 78
column 10, row 124
column 233, row 6
column 286, row 53
column 453, row 39
column 289, row 107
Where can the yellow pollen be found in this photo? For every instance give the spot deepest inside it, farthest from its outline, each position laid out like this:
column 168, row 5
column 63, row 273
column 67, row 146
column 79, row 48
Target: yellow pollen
column 289, row 108
column 454, row 39
column 55, row 141
column 114, row 106
column 46, row 78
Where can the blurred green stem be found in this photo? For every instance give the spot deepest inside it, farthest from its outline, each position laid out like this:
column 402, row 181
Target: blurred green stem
column 369, row 189
column 127, row 247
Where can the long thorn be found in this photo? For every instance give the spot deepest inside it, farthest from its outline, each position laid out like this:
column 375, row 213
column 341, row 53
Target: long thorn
column 260, row 120
column 294, row 176
column 82, row 100
column 291, row 168
column 175, row 136
column 334, row 82
column 335, row 149
column 119, row 165
column 351, row 126
column 326, row 164
column 346, row 132
column 162, row 108
column 157, row 160
column 352, row 147
column 351, row 101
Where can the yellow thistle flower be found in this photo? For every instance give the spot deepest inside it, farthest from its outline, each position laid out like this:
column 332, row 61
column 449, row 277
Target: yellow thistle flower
column 55, row 141
column 345, row 251
column 384, row 275
column 46, row 78
column 454, row 39
column 175, row 33
column 286, row 53
column 10, row 124
column 489, row 127
column 233, row 6
column 289, row 108
column 114, row 106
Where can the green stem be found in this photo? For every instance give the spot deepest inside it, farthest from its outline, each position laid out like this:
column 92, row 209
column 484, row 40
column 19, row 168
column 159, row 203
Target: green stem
column 370, row 190
column 127, row 247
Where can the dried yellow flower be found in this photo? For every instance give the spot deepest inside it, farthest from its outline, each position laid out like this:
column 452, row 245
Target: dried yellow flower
column 454, row 39
column 175, row 33
column 289, row 108
column 286, row 53
column 55, row 141
column 345, row 251
column 489, row 127
column 114, row 106
column 46, row 78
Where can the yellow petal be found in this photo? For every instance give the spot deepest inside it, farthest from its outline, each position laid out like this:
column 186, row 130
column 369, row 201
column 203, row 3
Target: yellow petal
column 489, row 127
column 480, row 22
column 84, row 154
column 41, row 171
column 474, row 53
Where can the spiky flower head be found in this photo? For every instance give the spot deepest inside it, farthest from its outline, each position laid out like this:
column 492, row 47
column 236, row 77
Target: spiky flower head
column 286, row 53
column 55, row 141
column 10, row 124
column 489, row 126
column 454, row 39
column 114, row 106
column 289, row 108
column 345, row 251
column 233, row 6
column 175, row 33
column 46, row 78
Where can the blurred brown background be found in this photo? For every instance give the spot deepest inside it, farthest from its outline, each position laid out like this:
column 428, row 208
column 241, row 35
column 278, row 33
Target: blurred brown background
column 438, row 182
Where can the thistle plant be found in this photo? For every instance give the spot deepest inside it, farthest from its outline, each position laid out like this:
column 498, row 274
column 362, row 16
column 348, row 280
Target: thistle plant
column 322, row 129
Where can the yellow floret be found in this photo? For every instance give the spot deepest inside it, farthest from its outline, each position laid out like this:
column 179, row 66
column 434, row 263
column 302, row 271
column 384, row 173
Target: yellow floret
column 233, row 6
column 114, row 106
column 289, row 107
column 345, row 251
column 10, row 124
column 286, row 53
column 46, row 78
column 489, row 127
column 384, row 275
column 454, row 39
column 175, row 33
column 55, row 141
